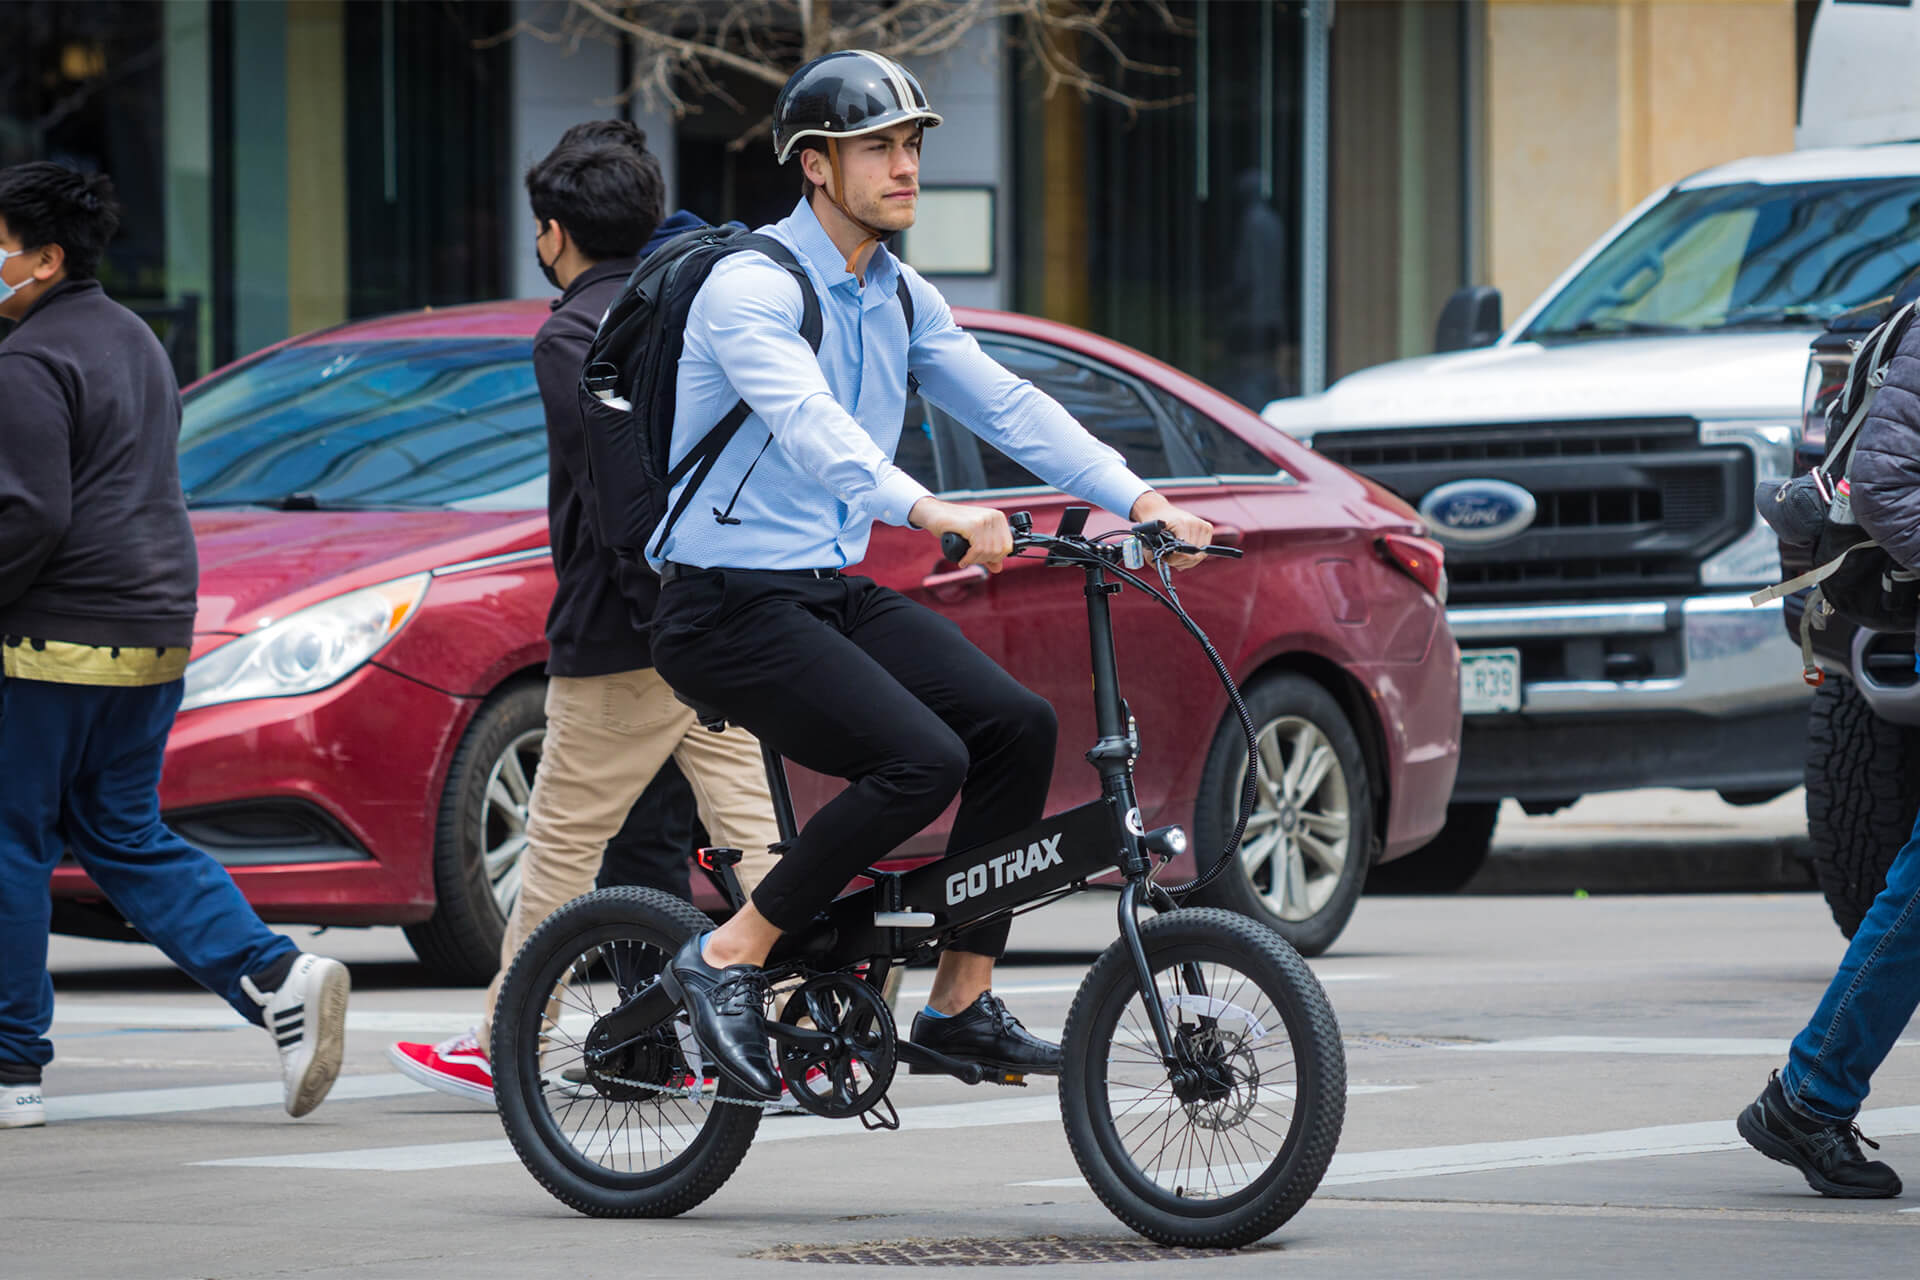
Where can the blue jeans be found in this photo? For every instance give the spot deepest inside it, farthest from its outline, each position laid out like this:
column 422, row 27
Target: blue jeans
column 80, row 771
column 1868, row 1003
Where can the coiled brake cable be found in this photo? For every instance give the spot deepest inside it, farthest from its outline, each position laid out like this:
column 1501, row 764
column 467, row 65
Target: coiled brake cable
column 1162, row 547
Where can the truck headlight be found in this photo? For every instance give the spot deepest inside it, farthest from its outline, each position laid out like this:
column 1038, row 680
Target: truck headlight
column 1754, row 557
column 305, row 652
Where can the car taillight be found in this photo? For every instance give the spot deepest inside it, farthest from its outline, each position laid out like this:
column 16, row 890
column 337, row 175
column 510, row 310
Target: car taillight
column 1419, row 559
column 1826, row 374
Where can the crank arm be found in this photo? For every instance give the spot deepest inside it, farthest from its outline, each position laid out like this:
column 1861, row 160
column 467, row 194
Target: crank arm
column 813, row 1041
column 927, row 1061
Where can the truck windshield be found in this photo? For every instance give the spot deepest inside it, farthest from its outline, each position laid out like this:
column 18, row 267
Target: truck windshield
column 1746, row 256
column 433, row 422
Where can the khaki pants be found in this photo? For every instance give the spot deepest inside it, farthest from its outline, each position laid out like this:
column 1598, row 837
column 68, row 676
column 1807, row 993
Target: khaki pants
column 606, row 738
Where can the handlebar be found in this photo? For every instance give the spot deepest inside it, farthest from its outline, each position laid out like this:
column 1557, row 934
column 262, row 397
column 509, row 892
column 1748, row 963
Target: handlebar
column 1151, row 533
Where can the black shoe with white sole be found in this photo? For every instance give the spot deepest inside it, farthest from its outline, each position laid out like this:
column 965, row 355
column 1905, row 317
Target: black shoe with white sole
column 1827, row 1153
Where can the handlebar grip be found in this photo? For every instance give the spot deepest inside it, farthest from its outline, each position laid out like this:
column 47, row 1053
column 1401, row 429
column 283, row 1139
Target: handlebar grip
column 954, row 546
column 1149, row 528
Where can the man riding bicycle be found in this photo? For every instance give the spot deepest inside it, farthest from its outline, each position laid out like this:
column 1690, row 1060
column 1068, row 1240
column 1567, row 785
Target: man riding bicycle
column 757, row 618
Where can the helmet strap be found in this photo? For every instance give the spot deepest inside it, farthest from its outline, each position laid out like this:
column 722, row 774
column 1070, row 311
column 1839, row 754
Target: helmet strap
column 856, row 263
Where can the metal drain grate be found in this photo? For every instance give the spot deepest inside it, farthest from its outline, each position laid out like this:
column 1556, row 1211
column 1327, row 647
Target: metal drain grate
column 993, row 1253
column 1382, row 1041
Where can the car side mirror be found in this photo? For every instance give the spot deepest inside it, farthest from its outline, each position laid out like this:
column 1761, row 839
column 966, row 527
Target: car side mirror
column 1471, row 318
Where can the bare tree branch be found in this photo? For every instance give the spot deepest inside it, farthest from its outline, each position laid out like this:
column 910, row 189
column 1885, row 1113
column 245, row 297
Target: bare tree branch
column 687, row 51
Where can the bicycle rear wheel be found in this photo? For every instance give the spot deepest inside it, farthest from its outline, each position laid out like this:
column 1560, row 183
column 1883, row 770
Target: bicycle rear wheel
column 1227, row 1158
column 634, row 1138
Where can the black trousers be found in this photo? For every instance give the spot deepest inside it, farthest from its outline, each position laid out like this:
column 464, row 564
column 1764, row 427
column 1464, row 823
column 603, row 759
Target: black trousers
column 850, row 679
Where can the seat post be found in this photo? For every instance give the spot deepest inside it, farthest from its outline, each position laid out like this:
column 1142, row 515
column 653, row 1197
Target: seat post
column 781, row 793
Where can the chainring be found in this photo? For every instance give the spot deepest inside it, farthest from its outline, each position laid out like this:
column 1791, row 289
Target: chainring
column 855, row 1076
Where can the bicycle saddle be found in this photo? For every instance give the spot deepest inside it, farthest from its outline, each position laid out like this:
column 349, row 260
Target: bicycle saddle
column 707, row 716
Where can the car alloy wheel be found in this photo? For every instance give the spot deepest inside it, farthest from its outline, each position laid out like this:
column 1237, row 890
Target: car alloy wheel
column 1300, row 835
column 1303, row 861
column 503, row 825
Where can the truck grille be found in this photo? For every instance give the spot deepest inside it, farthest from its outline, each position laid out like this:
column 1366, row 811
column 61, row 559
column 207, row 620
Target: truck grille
column 1623, row 508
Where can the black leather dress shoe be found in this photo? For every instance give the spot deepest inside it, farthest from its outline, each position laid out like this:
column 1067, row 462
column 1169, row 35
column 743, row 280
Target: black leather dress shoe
column 984, row 1032
column 1827, row 1153
column 727, row 1008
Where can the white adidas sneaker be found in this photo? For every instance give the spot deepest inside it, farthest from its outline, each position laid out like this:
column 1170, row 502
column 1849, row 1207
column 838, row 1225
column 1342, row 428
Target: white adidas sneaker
column 307, row 1018
column 21, row 1106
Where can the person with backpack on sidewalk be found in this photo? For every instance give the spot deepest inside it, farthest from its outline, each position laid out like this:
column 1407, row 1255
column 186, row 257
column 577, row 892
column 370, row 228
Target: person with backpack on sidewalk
column 788, row 400
column 612, row 722
column 98, row 592
column 1807, row 1115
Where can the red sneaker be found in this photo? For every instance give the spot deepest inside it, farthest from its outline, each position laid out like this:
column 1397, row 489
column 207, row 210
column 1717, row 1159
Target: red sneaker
column 458, row 1066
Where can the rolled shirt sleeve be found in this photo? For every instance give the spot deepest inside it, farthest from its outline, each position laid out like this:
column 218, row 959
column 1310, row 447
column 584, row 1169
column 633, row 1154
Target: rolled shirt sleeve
column 747, row 315
column 1011, row 413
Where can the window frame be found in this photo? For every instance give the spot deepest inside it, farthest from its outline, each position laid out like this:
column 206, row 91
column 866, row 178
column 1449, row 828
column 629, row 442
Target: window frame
column 966, row 446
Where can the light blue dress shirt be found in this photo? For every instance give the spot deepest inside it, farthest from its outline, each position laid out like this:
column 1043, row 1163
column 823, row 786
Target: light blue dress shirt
column 835, row 419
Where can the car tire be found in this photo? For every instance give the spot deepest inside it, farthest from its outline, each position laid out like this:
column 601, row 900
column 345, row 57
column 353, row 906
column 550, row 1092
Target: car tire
column 1863, row 790
column 1449, row 861
column 1294, row 717
column 460, row 941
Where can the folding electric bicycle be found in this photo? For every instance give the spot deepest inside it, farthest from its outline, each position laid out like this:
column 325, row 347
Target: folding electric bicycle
column 1202, row 1114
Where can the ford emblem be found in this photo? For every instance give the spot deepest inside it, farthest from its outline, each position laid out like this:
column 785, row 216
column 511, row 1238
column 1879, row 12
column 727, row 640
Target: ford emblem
column 1473, row 513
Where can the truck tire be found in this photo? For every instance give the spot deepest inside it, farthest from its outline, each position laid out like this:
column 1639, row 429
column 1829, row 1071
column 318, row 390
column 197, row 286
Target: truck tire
column 1863, row 790
column 1446, row 863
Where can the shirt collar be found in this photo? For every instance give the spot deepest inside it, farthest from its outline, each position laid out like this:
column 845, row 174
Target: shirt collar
column 816, row 246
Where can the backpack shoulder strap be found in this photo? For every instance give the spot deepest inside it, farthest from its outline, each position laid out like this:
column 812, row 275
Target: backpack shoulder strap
column 906, row 303
column 810, row 324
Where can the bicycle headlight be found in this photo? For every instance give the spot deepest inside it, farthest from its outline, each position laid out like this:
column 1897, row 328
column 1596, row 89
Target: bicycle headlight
column 305, row 652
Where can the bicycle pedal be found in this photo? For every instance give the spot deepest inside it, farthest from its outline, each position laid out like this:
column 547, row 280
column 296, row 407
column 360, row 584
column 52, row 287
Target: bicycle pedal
column 871, row 1119
column 1014, row 1079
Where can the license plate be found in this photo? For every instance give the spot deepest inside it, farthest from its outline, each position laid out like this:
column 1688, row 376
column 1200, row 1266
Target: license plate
column 1489, row 680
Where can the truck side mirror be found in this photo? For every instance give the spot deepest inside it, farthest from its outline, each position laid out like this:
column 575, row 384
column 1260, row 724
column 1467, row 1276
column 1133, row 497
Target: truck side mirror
column 1471, row 318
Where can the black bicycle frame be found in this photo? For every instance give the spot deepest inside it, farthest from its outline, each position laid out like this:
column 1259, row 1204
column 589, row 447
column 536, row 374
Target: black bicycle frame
column 901, row 913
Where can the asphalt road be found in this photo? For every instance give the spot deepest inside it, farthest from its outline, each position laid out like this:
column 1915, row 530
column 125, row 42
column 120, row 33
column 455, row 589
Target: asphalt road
column 1542, row 1085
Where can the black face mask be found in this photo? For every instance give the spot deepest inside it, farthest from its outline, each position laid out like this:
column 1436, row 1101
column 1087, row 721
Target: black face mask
column 545, row 269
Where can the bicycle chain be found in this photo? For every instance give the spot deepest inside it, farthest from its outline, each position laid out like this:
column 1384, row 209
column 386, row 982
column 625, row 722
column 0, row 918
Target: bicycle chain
column 689, row 1094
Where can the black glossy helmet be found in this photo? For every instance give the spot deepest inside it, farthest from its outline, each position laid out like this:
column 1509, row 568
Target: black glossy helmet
column 846, row 94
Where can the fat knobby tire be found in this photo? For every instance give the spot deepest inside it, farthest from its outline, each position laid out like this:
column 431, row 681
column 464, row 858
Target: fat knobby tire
column 1863, row 789
column 1228, row 938
column 709, row 1160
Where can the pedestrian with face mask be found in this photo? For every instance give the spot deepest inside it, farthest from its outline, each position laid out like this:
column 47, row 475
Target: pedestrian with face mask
column 612, row 722
column 98, row 592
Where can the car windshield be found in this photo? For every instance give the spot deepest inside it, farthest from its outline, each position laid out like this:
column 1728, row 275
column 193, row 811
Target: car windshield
column 425, row 422
column 1745, row 256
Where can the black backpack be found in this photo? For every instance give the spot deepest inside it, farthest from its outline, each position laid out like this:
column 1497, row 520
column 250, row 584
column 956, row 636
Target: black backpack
column 1853, row 576
column 627, row 386
column 627, row 389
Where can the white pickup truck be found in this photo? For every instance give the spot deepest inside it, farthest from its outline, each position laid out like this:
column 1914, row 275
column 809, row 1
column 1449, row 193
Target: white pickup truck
column 1590, row 470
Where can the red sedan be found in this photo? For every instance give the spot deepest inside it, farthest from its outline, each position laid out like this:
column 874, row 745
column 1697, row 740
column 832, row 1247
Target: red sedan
column 364, row 709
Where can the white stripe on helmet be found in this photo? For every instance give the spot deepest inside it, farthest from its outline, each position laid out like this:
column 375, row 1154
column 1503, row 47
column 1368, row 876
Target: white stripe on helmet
column 891, row 70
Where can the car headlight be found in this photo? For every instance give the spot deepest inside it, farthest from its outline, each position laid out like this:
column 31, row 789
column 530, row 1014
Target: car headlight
column 305, row 652
column 1754, row 557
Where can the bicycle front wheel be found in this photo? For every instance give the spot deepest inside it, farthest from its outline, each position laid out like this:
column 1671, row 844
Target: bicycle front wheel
column 634, row 1137
column 1229, row 1153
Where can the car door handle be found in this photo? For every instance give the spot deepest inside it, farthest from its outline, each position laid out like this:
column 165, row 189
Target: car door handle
column 955, row 578
column 1225, row 535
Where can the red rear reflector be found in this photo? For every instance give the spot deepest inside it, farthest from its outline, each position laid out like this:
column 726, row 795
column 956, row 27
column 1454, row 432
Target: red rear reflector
column 1418, row 558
